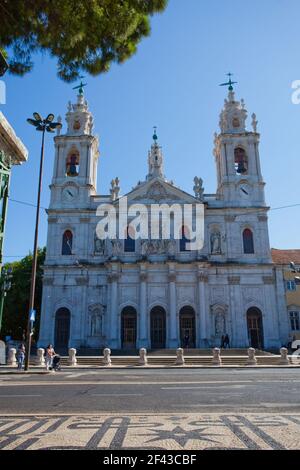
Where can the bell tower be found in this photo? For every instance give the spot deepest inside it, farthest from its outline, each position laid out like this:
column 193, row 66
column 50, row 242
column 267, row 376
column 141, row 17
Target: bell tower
column 76, row 158
column 236, row 152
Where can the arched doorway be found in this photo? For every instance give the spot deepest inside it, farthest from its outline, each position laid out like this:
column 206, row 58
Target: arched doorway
column 128, row 328
column 187, row 327
column 255, row 328
column 158, row 327
column 62, row 328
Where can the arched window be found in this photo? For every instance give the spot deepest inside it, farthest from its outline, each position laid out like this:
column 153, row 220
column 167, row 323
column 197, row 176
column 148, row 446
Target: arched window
column 240, row 161
column 72, row 165
column 129, row 242
column 248, row 241
column 184, row 239
column 67, row 243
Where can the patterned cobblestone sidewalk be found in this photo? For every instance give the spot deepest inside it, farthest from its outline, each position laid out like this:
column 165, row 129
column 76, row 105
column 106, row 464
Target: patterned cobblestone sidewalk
column 144, row 431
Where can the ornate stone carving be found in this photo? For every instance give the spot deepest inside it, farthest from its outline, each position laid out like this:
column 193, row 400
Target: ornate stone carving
column 220, row 323
column 202, row 277
column 143, row 277
column 84, row 220
column 52, row 220
column 229, row 218
column 156, row 247
column 251, row 294
column 81, row 281
column 254, row 122
column 48, row 281
column 113, row 277
column 233, row 280
column 172, row 277
column 262, row 218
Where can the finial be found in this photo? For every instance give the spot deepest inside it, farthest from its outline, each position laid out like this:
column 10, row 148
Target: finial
column 80, row 86
column 155, row 134
column 229, row 83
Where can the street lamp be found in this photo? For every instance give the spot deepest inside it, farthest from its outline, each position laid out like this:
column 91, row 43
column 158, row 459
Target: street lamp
column 41, row 125
column 5, row 283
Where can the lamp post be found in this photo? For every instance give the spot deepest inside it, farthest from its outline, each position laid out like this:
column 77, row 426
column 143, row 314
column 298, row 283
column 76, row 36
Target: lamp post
column 41, row 125
column 5, row 282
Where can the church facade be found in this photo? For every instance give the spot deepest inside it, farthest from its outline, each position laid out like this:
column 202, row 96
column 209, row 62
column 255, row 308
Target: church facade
column 156, row 293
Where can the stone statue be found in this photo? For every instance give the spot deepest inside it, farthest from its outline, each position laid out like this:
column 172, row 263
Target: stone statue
column 198, row 188
column 254, row 122
column 99, row 245
column 215, row 243
column 115, row 188
column 171, row 248
column 116, row 248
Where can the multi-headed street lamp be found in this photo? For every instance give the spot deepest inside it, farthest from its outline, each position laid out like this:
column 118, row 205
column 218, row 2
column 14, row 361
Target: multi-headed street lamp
column 42, row 125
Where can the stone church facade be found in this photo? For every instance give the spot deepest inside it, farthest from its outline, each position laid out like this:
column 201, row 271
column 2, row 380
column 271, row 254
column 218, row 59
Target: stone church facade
column 153, row 293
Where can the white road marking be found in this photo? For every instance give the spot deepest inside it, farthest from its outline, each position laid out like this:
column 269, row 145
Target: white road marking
column 18, row 396
column 205, row 386
column 116, row 395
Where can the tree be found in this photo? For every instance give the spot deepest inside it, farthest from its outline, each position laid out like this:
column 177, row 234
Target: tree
column 16, row 303
column 85, row 36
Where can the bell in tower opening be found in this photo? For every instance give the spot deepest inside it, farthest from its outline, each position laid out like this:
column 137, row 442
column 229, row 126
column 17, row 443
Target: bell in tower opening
column 240, row 160
column 72, row 168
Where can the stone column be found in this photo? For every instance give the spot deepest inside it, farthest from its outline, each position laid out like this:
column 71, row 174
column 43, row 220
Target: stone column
column 173, row 329
column 113, row 340
column 143, row 333
column 202, row 279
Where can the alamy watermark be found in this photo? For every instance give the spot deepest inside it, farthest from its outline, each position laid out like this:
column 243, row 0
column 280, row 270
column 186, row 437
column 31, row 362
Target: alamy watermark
column 154, row 222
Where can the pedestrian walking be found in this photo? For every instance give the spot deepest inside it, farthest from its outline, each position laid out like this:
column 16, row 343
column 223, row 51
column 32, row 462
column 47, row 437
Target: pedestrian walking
column 50, row 353
column 222, row 341
column 186, row 340
column 226, row 341
column 21, row 356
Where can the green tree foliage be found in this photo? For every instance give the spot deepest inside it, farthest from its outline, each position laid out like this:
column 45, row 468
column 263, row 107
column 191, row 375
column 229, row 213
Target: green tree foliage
column 85, row 36
column 16, row 304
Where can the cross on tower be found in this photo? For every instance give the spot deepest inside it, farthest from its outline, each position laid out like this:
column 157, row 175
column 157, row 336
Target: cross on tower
column 229, row 83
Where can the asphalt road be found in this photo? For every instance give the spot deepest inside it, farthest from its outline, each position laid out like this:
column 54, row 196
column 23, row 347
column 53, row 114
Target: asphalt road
column 152, row 391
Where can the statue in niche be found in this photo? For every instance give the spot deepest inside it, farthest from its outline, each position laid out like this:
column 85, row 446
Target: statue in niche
column 99, row 245
column 116, row 248
column 219, row 324
column 215, row 243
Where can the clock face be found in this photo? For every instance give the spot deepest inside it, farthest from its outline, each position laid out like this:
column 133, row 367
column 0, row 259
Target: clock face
column 70, row 193
column 244, row 191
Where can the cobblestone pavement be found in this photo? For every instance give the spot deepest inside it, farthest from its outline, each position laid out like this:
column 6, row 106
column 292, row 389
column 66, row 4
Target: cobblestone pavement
column 151, row 431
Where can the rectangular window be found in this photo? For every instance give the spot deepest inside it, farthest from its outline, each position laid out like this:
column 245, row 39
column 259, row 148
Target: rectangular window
column 290, row 285
column 294, row 319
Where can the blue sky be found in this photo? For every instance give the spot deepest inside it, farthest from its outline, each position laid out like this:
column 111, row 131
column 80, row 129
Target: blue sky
column 172, row 82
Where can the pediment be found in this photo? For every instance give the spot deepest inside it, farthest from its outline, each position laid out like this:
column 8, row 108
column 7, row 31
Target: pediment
column 159, row 191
